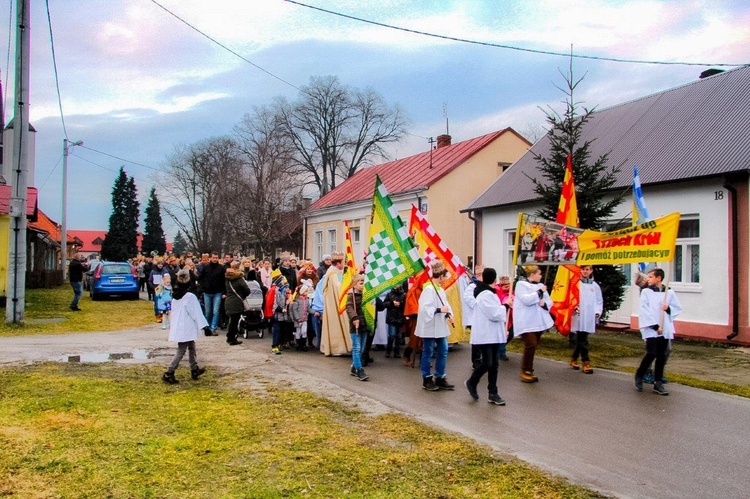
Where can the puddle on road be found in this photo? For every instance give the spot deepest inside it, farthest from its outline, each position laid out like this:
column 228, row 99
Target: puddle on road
column 140, row 354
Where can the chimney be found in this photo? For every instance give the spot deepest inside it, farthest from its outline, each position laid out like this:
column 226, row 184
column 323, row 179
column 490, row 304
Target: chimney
column 443, row 140
column 710, row 72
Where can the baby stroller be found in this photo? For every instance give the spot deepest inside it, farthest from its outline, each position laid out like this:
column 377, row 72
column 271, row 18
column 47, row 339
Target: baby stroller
column 252, row 319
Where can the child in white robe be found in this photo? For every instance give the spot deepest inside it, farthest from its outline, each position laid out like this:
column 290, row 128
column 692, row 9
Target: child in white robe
column 656, row 322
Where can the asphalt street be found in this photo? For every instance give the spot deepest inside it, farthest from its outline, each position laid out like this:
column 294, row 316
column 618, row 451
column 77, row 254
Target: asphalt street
column 595, row 430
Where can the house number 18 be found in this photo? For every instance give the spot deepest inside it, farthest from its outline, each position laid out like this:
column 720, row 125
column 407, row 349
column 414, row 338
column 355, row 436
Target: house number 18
column 718, row 195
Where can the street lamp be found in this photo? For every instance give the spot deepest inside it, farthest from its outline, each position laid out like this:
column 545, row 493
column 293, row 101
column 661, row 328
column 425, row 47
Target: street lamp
column 67, row 146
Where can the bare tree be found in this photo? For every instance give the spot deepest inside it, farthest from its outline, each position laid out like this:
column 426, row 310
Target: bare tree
column 195, row 193
column 533, row 131
column 336, row 130
column 270, row 189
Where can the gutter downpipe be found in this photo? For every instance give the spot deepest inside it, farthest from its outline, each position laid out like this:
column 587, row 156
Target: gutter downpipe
column 470, row 214
column 735, row 263
column 304, row 238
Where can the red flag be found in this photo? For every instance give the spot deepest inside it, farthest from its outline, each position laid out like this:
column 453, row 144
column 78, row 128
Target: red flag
column 565, row 292
column 432, row 247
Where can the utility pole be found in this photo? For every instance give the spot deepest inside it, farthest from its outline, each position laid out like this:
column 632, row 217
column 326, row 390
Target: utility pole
column 67, row 146
column 16, row 285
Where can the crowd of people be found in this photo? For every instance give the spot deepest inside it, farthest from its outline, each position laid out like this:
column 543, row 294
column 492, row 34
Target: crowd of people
column 299, row 302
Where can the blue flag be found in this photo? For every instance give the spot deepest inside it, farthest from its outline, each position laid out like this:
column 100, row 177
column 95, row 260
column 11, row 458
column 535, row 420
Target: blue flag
column 640, row 212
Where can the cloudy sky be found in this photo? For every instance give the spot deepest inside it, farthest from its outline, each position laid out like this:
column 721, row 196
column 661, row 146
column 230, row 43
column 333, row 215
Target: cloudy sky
column 135, row 81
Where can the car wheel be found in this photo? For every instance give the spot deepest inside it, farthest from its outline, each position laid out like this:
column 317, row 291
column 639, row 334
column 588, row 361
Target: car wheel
column 134, row 296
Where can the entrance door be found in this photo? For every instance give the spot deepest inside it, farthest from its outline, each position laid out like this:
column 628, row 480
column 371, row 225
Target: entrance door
column 630, row 301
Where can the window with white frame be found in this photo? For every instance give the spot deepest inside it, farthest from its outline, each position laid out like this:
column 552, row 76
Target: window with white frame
column 510, row 246
column 356, row 243
column 318, row 245
column 332, row 241
column 687, row 255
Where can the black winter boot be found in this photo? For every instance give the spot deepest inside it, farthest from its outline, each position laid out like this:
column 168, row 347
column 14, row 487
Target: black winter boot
column 429, row 384
column 443, row 384
column 168, row 377
column 196, row 373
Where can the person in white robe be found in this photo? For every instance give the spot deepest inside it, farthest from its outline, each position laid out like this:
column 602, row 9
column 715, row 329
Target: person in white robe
column 585, row 318
column 434, row 319
column 658, row 309
column 531, row 317
column 187, row 321
column 487, row 333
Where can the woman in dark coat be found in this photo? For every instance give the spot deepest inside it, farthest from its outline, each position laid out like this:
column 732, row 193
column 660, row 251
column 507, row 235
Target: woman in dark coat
column 236, row 291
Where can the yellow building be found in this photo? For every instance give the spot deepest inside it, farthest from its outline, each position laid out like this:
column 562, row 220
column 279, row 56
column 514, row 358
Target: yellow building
column 439, row 182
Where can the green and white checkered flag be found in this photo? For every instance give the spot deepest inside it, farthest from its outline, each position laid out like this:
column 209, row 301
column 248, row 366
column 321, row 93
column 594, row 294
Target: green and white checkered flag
column 391, row 255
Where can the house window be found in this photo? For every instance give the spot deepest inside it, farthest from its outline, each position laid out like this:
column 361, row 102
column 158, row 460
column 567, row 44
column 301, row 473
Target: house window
column 318, row 245
column 687, row 256
column 356, row 246
column 510, row 246
column 502, row 166
column 332, row 241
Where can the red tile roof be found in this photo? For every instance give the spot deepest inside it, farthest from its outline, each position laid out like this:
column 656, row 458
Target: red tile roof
column 31, row 200
column 87, row 237
column 47, row 225
column 406, row 174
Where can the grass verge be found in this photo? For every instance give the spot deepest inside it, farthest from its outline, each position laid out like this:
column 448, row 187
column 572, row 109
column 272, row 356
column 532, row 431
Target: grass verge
column 52, row 304
column 91, row 430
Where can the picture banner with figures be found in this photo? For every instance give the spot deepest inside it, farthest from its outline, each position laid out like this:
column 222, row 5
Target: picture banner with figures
column 544, row 242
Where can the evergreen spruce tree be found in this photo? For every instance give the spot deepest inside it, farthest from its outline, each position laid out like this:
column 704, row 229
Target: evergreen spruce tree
column 120, row 243
column 180, row 244
column 153, row 233
column 592, row 177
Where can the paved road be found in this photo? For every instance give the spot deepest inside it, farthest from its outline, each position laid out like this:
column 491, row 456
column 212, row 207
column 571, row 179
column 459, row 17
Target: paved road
column 596, row 430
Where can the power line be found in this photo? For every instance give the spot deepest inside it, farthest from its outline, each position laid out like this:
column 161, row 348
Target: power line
column 51, row 172
column 224, row 46
column 508, row 47
column 121, row 159
column 54, row 65
column 146, row 182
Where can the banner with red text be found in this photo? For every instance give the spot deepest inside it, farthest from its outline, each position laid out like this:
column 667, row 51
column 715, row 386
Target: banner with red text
column 544, row 242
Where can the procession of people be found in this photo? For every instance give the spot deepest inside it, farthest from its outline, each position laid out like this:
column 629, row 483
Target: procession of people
column 301, row 305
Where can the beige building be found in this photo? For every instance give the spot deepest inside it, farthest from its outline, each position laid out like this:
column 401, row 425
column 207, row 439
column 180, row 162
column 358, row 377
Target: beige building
column 440, row 182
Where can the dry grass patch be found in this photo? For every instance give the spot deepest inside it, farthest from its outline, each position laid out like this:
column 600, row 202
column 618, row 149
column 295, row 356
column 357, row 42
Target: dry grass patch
column 91, row 430
column 52, row 304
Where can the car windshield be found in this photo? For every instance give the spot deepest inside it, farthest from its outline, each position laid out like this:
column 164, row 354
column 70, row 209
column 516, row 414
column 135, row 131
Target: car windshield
column 118, row 268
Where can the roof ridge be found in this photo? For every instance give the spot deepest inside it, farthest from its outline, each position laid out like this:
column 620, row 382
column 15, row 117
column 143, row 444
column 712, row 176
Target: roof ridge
column 669, row 90
column 405, row 174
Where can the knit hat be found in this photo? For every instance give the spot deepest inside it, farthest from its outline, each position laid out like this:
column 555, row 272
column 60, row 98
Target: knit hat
column 277, row 278
column 326, row 257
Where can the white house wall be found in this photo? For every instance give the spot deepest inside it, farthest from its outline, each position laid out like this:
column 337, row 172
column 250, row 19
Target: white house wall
column 707, row 302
